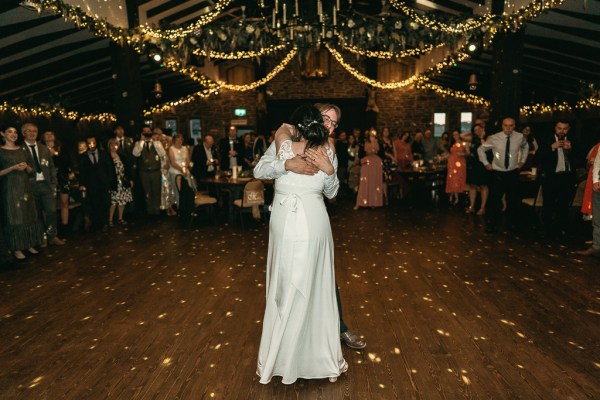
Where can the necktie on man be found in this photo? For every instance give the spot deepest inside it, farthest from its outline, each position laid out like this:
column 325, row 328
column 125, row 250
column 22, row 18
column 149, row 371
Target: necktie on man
column 94, row 158
column 121, row 146
column 36, row 160
column 507, row 153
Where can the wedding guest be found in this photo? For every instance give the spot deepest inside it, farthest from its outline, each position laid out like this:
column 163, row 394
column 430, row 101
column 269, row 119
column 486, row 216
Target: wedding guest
column 63, row 164
column 444, row 146
column 95, row 168
column 594, row 249
column 353, row 163
column 558, row 164
column 205, row 159
column 228, row 149
column 586, row 204
column 386, row 153
column 43, row 182
column 477, row 175
column 81, row 147
column 21, row 227
column 179, row 157
column 167, row 192
column 343, row 155
column 125, row 145
column 533, row 148
column 149, row 153
column 247, row 152
column 456, row 181
column 121, row 182
column 417, row 147
column 403, row 150
column 429, row 146
column 370, row 189
column 260, row 146
column 506, row 146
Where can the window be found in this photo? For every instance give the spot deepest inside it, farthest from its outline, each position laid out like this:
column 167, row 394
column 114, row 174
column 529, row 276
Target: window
column 170, row 126
column 439, row 124
column 466, row 121
column 195, row 129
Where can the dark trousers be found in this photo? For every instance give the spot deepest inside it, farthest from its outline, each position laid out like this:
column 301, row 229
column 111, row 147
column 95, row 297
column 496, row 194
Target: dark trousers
column 343, row 327
column 96, row 204
column 502, row 183
column 45, row 201
column 557, row 191
column 151, row 186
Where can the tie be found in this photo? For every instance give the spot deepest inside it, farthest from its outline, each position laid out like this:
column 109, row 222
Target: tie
column 38, row 166
column 121, row 144
column 507, row 153
column 147, row 146
column 94, row 157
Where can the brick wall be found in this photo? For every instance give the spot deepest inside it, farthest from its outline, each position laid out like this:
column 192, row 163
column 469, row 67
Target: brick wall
column 403, row 109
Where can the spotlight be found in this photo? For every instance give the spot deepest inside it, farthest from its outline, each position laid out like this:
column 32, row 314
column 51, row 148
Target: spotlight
column 472, row 47
column 156, row 57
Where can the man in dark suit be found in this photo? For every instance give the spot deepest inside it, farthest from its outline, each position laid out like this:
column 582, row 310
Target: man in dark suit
column 556, row 156
column 94, row 182
column 229, row 150
column 43, row 181
column 204, row 158
column 125, row 143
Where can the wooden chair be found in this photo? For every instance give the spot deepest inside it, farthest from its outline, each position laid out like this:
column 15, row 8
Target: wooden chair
column 252, row 201
column 535, row 203
column 190, row 202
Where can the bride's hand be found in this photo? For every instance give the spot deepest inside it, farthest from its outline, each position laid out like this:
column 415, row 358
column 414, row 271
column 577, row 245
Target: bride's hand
column 319, row 158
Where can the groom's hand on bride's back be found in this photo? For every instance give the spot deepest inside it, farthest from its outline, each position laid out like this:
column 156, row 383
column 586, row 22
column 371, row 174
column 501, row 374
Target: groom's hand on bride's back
column 299, row 165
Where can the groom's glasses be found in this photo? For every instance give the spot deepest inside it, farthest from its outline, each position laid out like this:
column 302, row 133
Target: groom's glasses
column 329, row 121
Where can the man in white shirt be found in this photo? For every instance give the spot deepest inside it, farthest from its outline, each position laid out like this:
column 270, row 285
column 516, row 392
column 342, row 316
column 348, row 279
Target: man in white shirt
column 510, row 152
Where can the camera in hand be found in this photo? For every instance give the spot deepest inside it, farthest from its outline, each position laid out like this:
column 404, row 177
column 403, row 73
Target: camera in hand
column 147, row 135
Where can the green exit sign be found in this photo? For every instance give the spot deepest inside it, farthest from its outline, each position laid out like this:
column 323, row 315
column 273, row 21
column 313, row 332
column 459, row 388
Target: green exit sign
column 239, row 112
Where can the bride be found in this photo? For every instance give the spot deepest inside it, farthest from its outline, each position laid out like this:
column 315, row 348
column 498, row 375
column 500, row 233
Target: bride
column 300, row 336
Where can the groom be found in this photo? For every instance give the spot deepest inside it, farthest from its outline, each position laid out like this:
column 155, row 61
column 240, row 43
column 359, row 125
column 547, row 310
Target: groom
column 269, row 167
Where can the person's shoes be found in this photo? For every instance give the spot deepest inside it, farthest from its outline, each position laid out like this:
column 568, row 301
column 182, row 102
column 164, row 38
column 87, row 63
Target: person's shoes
column 589, row 252
column 19, row 256
column 33, row 251
column 587, row 217
column 470, row 210
column 481, row 212
column 56, row 241
column 352, row 340
column 122, row 222
column 343, row 370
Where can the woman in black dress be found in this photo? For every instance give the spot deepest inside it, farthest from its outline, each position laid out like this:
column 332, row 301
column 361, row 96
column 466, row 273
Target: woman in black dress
column 62, row 162
column 477, row 175
column 20, row 223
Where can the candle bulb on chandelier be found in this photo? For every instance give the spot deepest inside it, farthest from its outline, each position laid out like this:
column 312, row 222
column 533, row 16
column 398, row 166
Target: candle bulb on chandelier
column 284, row 14
column 337, row 5
column 297, row 9
column 276, row 6
column 274, row 18
column 334, row 16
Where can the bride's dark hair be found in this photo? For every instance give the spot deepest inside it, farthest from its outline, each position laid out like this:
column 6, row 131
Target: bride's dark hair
column 308, row 121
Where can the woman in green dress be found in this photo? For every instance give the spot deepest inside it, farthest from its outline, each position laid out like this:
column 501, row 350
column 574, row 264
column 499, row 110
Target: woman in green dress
column 22, row 229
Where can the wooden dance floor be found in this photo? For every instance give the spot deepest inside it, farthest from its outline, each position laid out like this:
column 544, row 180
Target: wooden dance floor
column 157, row 312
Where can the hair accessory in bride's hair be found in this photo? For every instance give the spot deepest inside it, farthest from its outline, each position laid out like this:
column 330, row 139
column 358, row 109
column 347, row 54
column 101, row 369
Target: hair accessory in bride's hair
column 306, row 126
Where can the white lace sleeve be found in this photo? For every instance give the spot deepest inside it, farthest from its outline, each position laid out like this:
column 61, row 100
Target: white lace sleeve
column 332, row 183
column 285, row 151
column 269, row 166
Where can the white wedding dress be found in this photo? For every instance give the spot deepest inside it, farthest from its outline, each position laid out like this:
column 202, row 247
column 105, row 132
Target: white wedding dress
column 301, row 332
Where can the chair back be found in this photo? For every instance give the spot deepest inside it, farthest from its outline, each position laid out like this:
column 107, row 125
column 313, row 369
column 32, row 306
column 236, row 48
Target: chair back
column 254, row 194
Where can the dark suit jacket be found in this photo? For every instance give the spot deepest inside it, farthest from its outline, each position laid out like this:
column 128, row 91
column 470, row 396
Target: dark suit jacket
column 97, row 177
column 127, row 152
column 224, row 152
column 200, row 168
column 548, row 158
column 46, row 162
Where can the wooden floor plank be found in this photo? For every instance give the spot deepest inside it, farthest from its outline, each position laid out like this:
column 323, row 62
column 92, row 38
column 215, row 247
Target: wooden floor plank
column 157, row 312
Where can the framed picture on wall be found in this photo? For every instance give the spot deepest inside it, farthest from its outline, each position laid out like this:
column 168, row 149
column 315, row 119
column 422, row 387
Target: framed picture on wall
column 170, row 126
column 195, row 128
